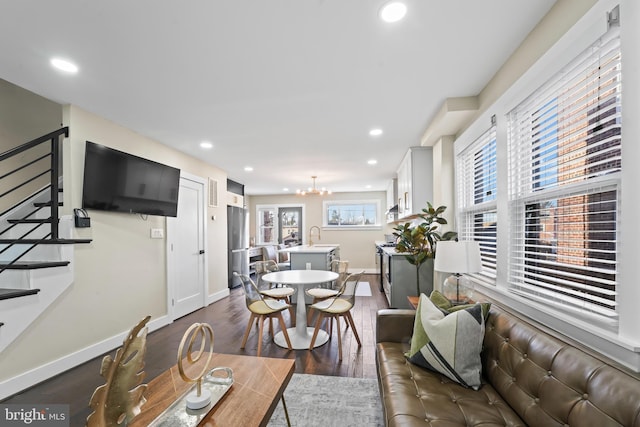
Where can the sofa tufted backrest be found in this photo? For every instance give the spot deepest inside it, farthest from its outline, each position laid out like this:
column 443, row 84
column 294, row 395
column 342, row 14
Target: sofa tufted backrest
column 551, row 383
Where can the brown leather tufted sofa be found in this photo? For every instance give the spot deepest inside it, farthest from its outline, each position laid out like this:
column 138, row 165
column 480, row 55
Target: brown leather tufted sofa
column 530, row 379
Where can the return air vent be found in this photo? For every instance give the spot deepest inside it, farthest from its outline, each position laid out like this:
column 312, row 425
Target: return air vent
column 213, row 193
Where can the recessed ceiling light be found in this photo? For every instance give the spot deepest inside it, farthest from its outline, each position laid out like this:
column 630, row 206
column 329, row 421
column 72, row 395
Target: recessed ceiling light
column 64, row 65
column 372, row 162
column 375, row 132
column 393, row 11
column 206, row 144
column 367, row 186
column 248, row 169
column 285, row 189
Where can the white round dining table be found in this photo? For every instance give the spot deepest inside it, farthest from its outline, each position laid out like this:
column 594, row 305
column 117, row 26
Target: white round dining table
column 300, row 336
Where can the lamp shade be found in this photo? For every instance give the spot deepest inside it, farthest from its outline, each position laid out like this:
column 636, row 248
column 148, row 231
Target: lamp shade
column 458, row 257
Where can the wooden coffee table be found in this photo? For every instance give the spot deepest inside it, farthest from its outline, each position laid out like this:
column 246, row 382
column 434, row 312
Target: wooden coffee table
column 259, row 383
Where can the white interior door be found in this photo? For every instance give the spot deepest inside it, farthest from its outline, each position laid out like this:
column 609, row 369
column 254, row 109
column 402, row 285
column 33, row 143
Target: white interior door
column 187, row 284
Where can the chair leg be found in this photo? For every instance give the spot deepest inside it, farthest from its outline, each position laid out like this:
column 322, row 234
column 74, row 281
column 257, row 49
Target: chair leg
column 260, row 334
column 284, row 331
column 246, row 333
column 310, row 312
column 339, row 337
column 317, row 328
column 353, row 327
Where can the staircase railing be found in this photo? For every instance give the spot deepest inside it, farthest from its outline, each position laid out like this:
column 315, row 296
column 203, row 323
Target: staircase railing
column 43, row 169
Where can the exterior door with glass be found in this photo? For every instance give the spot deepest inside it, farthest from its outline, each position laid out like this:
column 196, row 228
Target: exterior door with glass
column 290, row 225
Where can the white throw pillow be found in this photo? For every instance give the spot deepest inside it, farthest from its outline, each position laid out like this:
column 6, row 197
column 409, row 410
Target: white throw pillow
column 449, row 344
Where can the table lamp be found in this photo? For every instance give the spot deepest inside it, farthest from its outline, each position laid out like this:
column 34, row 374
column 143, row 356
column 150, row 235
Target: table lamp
column 458, row 257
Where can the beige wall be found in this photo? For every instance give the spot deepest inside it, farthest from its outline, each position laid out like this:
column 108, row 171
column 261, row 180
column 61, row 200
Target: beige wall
column 24, row 116
column 121, row 276
column 356, row 246
column 562, row 16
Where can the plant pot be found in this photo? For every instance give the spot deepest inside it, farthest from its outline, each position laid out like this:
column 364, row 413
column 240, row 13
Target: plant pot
column 426, row 277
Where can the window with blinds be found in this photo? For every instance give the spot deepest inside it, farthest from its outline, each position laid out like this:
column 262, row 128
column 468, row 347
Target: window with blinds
column 477, row 184
column 564, row 156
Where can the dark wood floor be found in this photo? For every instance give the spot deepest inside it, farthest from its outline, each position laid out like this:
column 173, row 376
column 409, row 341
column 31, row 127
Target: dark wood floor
column 228, row 318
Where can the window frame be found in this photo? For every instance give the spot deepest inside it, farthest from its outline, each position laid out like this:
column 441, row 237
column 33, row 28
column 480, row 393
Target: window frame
column 468, row 205
column 325, row 218
column 620, row 341
column 564, row 148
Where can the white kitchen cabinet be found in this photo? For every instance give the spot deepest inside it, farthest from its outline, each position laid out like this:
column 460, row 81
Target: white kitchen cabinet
column 415, row 181
column 392, row 200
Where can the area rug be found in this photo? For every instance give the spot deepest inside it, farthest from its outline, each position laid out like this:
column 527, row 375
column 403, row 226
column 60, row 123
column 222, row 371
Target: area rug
column 363, row 289
column 319, row 400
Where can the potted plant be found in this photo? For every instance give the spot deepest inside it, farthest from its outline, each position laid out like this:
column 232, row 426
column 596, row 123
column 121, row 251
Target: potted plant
column 418, row 243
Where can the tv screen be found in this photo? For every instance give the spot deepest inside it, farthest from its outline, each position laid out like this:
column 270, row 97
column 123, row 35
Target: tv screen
column 121, row 182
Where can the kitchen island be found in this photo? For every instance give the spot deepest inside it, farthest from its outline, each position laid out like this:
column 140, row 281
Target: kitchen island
column 314, row 257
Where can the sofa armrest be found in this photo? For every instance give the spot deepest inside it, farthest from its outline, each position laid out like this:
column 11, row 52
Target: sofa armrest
column 394, row 325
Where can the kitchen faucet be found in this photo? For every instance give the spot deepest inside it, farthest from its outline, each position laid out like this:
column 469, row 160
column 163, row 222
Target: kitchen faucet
column 311, row 234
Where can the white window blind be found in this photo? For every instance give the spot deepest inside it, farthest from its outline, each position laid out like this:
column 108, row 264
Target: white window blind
column 476, row 177
column 564, row 166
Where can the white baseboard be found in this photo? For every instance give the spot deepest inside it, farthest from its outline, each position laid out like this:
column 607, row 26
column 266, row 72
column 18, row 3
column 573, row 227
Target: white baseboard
column 42, row 373
column 217, row 296
column 35, row 376
column 366, row 270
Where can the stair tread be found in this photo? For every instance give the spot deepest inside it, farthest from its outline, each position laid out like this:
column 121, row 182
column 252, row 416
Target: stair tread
column 6, row 293
column 32, row 265
column 46, row 241
column 30, row 221
column 44, row 204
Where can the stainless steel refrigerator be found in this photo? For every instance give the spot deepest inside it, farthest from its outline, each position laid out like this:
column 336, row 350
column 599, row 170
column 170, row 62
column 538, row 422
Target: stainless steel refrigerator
column 238, row 242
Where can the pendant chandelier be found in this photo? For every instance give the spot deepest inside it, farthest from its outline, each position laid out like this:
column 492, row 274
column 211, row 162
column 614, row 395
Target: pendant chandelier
column 313, row 190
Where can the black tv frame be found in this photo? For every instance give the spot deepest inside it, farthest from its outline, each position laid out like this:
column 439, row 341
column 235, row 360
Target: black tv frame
column 117, row 181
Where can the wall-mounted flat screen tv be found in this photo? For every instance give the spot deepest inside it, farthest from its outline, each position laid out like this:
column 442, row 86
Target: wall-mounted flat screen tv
column 121, row 182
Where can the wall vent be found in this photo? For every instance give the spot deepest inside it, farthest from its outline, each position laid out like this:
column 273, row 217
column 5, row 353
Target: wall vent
column 213, row 193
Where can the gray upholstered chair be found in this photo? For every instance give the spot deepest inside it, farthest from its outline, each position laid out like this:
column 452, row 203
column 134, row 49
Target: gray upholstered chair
column 270, row 253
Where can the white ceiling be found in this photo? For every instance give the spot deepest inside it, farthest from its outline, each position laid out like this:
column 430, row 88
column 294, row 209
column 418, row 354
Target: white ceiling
column 289, row 87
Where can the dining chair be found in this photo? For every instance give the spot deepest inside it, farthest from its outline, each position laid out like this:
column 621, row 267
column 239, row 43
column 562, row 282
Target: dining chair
column 262, row 308
column 279, row 292
column 330, row 289
column 337, row 307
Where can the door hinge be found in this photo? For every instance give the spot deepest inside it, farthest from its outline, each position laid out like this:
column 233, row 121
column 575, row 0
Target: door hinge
column 173, row 302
